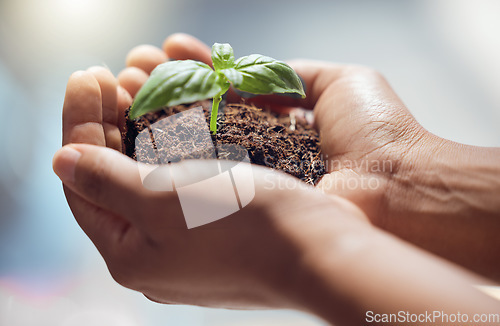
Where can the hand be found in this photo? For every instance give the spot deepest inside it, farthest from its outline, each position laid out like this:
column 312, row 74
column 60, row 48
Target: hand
column 248, row 260
column 288, row 248
column 435, row 193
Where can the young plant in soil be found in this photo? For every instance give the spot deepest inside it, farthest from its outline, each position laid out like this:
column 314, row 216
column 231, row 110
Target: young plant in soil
column 279, row 141
column 187, row 81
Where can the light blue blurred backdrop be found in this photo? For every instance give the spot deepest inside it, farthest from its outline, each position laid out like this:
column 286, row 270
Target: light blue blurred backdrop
column 441, row 56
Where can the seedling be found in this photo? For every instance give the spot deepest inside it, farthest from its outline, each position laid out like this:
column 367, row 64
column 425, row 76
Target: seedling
column 186, row 81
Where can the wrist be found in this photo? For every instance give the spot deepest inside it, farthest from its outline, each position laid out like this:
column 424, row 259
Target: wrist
column 370, row 270
column 439, row 172
column 325, row 234
column 444, row 198
column 329, row 272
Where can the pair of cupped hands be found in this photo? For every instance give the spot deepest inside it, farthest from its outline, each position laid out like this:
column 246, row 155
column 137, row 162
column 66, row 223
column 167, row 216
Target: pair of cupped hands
column 319, row 249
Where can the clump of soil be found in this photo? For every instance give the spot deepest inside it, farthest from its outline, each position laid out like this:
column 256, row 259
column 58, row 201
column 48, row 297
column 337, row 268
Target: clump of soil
column 278, row 141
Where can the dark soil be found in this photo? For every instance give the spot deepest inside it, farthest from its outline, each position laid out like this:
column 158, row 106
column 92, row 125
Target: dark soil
column 273, row 140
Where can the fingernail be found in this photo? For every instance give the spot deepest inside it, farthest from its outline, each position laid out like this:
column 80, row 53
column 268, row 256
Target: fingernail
column 64, row 163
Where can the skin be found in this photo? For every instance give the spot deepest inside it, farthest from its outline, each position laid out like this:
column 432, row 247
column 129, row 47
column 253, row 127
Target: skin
column 435, row 193
column 302, row 248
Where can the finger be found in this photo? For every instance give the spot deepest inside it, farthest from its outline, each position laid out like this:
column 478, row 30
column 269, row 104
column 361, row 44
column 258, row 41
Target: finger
column 183, row 46
column 124, row 102
column 82, row 118
column 111, row 181
column 145, row 57
column 132, row 79
column 362, row 99
column 317, row 77
column 108, row 85
column 82, row 110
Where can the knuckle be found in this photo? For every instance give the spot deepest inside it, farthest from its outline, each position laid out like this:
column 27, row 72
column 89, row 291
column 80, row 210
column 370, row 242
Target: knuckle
column 364, row 71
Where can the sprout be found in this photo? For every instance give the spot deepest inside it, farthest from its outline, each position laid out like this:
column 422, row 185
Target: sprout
column 186, row 81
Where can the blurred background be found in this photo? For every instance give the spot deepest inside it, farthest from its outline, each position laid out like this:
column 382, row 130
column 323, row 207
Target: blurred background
column 441, row 56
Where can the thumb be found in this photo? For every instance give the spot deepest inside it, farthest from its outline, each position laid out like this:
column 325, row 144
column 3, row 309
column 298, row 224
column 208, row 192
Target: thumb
column 104, row 228
column 111, row 181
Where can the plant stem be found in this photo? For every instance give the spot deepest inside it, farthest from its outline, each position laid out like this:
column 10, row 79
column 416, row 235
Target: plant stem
column 215, row 110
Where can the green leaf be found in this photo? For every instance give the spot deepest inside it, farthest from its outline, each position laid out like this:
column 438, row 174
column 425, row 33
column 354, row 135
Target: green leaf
column 176, row 82
column 259, row 74
column 222, row 56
